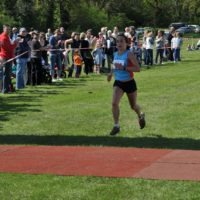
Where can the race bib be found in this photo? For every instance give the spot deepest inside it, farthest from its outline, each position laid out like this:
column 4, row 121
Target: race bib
column 121, row 62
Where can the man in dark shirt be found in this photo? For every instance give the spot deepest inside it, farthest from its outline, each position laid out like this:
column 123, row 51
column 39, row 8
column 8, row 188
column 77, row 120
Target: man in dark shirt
column 36, row 62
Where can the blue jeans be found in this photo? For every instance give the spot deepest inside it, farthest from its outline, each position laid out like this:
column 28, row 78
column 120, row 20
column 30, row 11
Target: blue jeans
column 55, row 59
column 159, row 52
column 20, row 72
column 145, row 56
column 176, row 54
column 149, row 56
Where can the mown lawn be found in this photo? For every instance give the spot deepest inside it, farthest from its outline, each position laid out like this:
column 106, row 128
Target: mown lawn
column 78, row 112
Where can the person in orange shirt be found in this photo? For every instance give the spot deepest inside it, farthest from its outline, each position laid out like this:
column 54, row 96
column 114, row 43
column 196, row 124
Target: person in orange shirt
column 77, row 63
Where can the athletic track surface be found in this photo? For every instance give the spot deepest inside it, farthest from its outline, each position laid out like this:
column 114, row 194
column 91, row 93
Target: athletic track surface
column 101, row 162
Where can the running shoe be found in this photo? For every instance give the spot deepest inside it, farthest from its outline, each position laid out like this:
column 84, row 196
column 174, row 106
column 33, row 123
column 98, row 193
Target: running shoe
column 54, row 80
column 115, row 130
column 142, row 121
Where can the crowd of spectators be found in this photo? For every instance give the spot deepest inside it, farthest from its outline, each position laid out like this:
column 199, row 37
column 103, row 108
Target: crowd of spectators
column 41, row 57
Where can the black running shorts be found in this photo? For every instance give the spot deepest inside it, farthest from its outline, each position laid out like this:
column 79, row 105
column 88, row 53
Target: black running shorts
column 127, row 87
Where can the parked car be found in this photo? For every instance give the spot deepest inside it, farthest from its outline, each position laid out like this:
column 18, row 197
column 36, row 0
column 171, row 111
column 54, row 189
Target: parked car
column 166, row 32
column 195, row 28
column 140, row 31
column 177, row 25
column 184, row 30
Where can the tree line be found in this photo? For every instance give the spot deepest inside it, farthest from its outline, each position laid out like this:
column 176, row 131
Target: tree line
column 83, row 14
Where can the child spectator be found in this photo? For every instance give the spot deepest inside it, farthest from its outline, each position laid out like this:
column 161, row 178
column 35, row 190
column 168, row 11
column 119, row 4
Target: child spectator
column 144, row 44
column 149, row 48
column 160, row 42
column 176, row 44
column 137, row 51
column 77, row 63
column 98, row 58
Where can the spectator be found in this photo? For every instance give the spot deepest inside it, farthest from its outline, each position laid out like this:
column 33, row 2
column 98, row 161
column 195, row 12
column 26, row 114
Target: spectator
column 63, row 34
column 14, row 34
column 77, row 63
column 55, row 55
column 136, row 50
column 169, row 39
column 86, row 54
column 75, row 42
column 149, row 48
column 22, row 50
column 48, row 34
column 160, row 43
column 144, row 45
column 98, row 57
column 176, row 44
column 110, row 48
column 36, row 61
column 44, row 44
column 115, row 32
column 6, row 53
column 134, row 35
column 90, row 38
column 102, row 42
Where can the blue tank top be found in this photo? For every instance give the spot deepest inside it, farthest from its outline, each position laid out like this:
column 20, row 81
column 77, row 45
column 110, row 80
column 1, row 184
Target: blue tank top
column 121, row 75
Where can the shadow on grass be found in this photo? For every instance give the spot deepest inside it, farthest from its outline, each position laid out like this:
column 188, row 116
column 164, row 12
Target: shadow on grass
column 140, row 142
column 16, row 105
column 192, row 61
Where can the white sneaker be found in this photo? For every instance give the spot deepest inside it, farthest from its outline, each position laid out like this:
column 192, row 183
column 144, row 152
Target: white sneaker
column 60, row 79
column 54, row 80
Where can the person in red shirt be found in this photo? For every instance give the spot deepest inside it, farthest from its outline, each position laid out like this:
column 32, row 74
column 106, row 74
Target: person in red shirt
column 6, row 53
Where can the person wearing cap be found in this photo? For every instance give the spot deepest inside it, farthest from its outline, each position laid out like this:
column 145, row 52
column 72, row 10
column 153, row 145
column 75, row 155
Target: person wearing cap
column 6, row 53
column 22, row 51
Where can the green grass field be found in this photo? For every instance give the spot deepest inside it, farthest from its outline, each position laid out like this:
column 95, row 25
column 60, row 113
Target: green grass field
column 78, row 112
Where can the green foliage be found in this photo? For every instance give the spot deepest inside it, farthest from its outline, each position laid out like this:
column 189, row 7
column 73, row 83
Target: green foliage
column 4, row 19
column 84, row 14
column 84, row 17
column 26, row 13
column 120, row 20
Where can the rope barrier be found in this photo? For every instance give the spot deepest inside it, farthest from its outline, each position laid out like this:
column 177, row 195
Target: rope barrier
column 70, row 49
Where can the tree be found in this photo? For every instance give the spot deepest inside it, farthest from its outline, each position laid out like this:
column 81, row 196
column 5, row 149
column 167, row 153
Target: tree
column 192, row 8
column 25, row 13
column 78, row 14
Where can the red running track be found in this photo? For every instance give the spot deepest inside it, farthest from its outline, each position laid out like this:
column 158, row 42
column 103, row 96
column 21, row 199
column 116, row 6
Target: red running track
column 101, row 162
